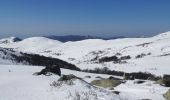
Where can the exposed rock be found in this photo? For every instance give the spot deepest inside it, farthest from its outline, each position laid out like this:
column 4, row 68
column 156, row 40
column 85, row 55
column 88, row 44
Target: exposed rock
column 67, row 77
column 139, row 81
column 116, row 92
column 46, row 71
column 107, row 83
column 166, row 80
column 167, row 95
column 87, row 76
column 160, row 81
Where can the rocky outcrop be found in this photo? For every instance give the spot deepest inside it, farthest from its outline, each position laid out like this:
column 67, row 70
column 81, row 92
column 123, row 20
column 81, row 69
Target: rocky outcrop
column 166, row 80
column 67, row 77
column 107, row 83
column 167, row 95
column 50, row 69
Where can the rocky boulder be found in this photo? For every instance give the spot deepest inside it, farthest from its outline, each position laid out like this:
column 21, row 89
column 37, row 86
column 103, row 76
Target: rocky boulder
column 48, row 70
column 107, row 83
column 167, row 95
column 67, row 77
column 166, row 80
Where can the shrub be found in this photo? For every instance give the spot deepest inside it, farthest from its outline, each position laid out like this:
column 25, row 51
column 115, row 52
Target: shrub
column 141, row 55
column 115, row 59
column 166, row 80
column 108, row 59
column 125, row 57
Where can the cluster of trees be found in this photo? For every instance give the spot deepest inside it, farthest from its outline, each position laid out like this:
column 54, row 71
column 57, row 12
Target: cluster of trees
column 142, row 55
column 109, row 59
column 115, row 59
column 35, row 59
column 134, row 75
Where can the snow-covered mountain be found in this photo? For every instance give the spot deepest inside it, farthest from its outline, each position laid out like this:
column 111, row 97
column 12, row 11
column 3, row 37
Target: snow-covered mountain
column 33, row 44
column 146, row 54
column 9, row 40
column 18, row 82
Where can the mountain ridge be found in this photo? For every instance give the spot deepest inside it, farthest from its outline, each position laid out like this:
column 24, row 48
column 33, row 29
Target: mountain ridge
column 144, row 53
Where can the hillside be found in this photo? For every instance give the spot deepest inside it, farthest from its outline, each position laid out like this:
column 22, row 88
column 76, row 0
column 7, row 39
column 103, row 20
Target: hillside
column 9, row 56
column 145, row 54
column 140, row 58
column 18, row 83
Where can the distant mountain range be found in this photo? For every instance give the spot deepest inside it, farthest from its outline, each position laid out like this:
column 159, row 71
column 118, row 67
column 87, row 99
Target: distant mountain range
column 78, row 37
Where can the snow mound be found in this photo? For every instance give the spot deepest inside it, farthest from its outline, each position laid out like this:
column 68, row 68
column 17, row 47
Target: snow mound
column 38, row 41
column 18, row 83
column 77, row 89
column 36, row 44
column 147, row 90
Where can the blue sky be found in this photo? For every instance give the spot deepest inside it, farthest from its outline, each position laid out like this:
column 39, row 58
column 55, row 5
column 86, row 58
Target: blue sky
column 106, row 18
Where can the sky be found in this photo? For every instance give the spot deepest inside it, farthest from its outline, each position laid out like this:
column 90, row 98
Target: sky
column 106, row 18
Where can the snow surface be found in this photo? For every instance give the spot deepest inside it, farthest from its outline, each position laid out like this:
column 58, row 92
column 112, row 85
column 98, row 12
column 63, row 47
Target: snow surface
column 148, row 90
column 18, row 83
column 82, row 52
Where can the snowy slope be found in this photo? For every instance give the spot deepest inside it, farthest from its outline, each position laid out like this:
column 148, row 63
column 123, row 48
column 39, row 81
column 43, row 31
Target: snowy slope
column 81, row 53
column 5, row 56
column 34, row 44
column 18, row 83
column 147, row 90
column 5, row 62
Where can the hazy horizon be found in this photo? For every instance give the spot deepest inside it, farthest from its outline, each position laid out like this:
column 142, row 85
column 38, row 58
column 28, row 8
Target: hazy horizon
column 93, row 35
